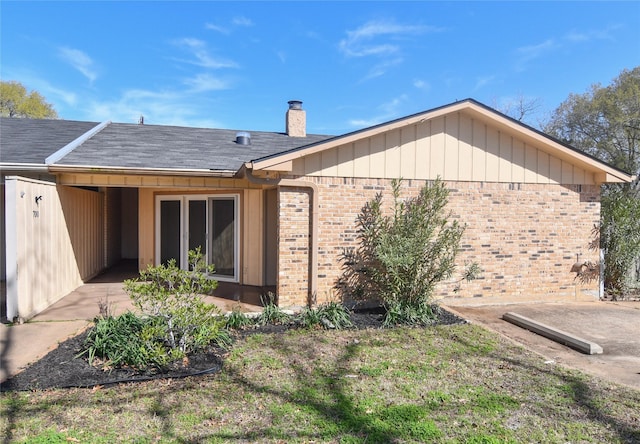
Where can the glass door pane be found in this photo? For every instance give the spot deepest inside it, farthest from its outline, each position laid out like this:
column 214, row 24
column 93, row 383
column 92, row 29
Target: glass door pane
column 198, row 226
column 223, row 236
column 170, row 231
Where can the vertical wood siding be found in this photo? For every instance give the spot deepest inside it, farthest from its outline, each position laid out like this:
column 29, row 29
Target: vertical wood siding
column 59, row 242
column 453, row 147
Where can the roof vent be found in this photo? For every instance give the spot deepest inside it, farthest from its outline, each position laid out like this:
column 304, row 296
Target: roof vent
column 243, row 138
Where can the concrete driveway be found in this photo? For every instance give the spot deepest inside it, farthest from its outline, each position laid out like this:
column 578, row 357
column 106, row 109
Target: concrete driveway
column 615, row 326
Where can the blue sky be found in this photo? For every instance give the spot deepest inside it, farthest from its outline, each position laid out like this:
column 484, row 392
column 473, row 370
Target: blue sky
column 353, row 64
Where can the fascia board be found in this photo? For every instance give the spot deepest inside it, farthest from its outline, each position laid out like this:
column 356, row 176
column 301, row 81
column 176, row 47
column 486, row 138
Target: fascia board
column 92, row 169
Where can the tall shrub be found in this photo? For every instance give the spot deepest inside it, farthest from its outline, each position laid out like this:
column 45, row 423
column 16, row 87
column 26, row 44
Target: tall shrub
column 401, row 257
column 619, row 236
column 175, row 296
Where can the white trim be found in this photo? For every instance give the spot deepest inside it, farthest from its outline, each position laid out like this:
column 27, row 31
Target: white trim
column 79, row 169
column 184, row 224
column 53, row 158
column 11, row 245
column 23, row 167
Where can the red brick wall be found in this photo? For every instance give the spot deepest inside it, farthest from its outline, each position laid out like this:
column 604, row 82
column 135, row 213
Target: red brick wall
column 525, row 237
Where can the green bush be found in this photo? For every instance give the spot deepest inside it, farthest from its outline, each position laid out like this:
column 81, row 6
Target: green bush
column 335, row 314
column 119, row 341
column 237, row 320
column 271, row 313
column 175, row 320
column 175, row 296
column 331, row 315
column 619, row 236
column 309, row 318
column 403, row 256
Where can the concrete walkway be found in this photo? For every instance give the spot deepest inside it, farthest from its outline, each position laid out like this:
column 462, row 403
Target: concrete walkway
column 615, row 326
column 23, row 344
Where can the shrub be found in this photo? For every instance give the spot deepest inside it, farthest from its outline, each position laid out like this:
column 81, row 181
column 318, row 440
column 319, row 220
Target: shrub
column 335, row 314
column 271, row 313
column 237, row 320
column 183, row 321
column 329, row 316
column 119, row 341
column 309, row 318
column 619, row 236
column 402, row 257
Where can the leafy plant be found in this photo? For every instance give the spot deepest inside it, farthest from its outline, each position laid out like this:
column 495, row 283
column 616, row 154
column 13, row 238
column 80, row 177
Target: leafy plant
column 334, row 315
column 619, row 236
column 309, row 318
column 237, row 320
column 422, row 314
column 173, row 297
column 271, row 313
column 403, row 256
column 331, row 315
column 119, row 341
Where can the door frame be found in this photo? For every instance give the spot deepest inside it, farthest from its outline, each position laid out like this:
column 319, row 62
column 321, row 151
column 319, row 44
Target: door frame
column 184, row 229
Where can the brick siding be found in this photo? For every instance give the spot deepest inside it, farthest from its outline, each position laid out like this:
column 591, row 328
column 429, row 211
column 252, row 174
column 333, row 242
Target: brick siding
column 525, row 237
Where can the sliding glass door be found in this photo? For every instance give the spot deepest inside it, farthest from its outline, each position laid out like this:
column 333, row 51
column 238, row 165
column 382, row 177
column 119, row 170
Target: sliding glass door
column 210, row 223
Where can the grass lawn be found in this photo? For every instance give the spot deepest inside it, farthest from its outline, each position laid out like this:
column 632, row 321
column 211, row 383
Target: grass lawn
column 444, row 384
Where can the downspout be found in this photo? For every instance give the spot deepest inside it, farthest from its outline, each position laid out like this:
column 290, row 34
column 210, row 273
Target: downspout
column 313, row 254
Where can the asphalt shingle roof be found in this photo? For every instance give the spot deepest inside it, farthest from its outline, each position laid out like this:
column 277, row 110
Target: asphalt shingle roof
column 155, row 146
column 122, row 145
column 33, row 140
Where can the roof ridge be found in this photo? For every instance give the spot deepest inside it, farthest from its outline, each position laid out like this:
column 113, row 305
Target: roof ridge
column 62, row 152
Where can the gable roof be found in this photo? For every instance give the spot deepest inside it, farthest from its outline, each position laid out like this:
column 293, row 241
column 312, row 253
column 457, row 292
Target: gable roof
column 476, row 110
column 62, row 145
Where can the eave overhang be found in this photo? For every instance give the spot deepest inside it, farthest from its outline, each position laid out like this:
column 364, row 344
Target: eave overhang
column 89, row 169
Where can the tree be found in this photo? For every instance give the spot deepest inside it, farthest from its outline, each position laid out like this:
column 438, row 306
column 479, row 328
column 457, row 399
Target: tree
column 16, row 102
column 605, row 122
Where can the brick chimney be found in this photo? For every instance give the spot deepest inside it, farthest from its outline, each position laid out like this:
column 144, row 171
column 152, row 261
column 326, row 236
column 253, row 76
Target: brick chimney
column 296, row 119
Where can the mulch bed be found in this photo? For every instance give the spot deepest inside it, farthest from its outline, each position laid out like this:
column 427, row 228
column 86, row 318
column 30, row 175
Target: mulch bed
column 64, row 367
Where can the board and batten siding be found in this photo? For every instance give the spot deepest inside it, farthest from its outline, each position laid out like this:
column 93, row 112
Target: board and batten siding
column 454, row 147
column 54, row 243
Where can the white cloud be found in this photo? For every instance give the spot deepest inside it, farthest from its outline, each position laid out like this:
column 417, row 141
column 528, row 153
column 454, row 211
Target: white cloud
column 575, row 36
column 80, row 61
column 217, row 28
column 386, row 111
column 158, row 108
column 481, row 82
column 381, row 69
column 366, row 40
column 242, row 21
column 202, row 57
column 528, row 53
column 421, row 84
column 205, row 82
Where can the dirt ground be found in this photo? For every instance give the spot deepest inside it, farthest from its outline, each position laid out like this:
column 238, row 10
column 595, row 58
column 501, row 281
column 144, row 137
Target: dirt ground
column 615, row 326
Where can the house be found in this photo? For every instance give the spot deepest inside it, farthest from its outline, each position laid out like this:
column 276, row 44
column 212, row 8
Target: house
column 277, row 209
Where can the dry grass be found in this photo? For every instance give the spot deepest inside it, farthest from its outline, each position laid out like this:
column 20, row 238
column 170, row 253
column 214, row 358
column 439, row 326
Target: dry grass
column 443, row 384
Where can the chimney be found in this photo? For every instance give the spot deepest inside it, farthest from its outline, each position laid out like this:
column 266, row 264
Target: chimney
column 296, row 119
